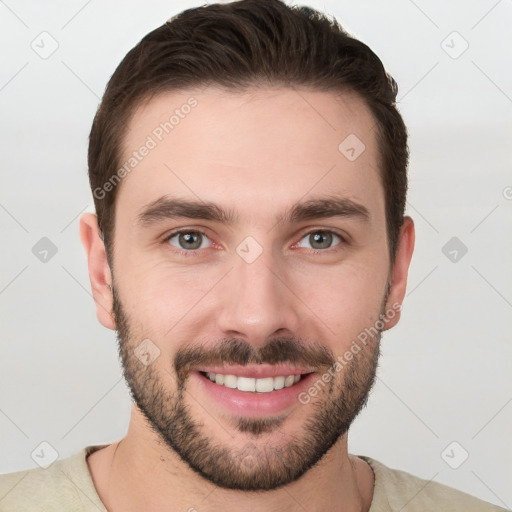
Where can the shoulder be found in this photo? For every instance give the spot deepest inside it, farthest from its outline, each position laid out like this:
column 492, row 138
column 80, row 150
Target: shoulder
column 65, row 485
column 399, row 490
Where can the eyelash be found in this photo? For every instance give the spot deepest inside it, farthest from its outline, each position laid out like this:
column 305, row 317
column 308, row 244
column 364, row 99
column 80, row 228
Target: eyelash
column 196, row 252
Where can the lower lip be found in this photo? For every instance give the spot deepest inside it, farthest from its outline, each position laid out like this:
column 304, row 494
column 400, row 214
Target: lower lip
column 251, row 404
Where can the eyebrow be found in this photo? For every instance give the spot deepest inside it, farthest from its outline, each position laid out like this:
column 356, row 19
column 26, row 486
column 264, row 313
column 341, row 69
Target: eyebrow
column 166, row 208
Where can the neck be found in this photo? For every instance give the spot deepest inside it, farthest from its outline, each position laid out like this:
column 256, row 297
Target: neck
column 141, row 473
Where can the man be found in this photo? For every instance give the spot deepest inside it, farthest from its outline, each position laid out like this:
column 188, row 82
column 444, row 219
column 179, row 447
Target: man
column 249, row 246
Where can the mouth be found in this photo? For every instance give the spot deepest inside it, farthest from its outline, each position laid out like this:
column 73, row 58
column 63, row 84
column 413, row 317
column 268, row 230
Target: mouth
column 253, row 391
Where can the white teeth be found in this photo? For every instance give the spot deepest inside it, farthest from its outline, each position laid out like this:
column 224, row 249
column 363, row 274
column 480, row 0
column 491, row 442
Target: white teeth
column 246, row 384
column 264, row 385
column 230, row 381
column 288, row 381
column 279, row 382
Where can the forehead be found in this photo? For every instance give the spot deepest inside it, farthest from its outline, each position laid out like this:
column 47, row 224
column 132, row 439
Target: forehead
column 246, row 149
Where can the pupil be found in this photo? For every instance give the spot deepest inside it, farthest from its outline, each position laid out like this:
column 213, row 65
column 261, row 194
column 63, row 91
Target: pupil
column 326, row 239
column 189, row 240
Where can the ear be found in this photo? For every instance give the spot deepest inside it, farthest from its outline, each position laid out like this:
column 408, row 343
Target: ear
column 398, row 282
column 99, row 270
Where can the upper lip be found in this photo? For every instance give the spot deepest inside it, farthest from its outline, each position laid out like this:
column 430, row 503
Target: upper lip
column 259, row 371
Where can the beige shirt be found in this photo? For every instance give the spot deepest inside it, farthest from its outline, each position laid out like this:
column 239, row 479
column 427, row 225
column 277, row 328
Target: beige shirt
column 67, row 486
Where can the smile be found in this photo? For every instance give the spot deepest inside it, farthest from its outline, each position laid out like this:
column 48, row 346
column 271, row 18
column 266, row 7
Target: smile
column 263, row 385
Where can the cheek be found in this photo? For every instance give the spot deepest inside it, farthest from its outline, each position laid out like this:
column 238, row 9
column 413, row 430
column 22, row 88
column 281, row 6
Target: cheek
column 346, row 299
column 164, row 301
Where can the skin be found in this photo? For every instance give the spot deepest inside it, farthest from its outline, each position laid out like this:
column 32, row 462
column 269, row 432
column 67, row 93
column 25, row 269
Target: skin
column 256, row 153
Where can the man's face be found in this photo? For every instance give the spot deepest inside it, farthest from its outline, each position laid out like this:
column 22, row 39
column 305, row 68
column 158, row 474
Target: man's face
column 265, row 294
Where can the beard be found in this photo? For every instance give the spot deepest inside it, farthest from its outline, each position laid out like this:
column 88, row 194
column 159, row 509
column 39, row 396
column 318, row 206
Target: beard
column 256, row 466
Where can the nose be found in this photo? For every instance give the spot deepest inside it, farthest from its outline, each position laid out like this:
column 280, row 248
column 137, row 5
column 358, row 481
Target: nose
column 256, row 301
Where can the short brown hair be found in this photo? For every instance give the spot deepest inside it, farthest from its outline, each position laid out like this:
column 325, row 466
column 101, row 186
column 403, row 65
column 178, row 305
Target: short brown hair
column 236, row 46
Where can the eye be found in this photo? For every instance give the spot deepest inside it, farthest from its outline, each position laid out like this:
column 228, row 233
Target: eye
column 320, row 239
column 188, row 240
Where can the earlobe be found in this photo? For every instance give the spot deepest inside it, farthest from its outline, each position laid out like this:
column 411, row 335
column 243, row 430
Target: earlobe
column 399, row 272
column 100, row 275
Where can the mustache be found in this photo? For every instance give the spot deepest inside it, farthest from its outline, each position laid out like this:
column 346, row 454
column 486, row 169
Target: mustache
column 239, row 352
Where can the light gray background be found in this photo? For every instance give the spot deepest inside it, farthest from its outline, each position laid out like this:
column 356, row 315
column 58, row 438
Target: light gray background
column 445, row 372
